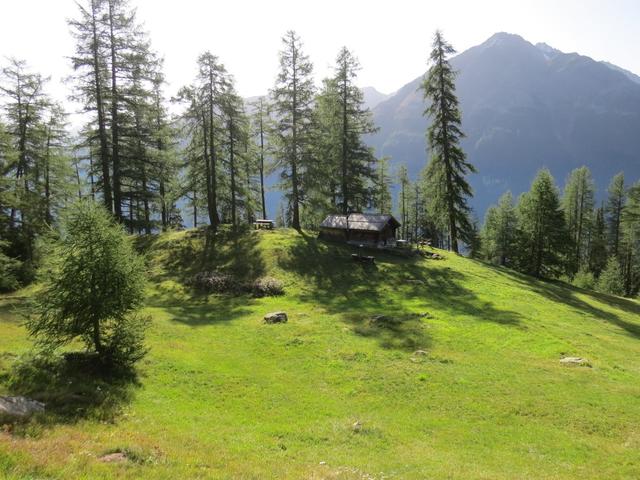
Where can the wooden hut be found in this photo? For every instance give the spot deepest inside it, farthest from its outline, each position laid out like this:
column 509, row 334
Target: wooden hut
column 366, row 228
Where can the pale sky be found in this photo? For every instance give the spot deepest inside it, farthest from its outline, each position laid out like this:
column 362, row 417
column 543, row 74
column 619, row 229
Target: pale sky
column 391, row 38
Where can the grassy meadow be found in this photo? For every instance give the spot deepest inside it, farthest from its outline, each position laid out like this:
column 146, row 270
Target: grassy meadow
column 464, row 382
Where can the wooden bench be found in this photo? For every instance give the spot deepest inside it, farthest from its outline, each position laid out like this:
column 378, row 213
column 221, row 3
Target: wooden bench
column 363, row 258
column 266, row 224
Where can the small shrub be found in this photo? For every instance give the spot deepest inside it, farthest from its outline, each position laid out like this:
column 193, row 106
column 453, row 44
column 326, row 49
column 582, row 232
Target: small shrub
column 9, row 272
column 267, row 287
column 214, row 282
column 610, row 280
column 584, row 279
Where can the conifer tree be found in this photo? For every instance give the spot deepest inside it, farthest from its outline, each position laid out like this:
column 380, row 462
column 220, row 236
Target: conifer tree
column 403, row 179
column 235, row 121
column 614, row 209
column 94, row 286
column 598, row 243
column 114, row 68
column 293, row 96
column 323, row 179
column 91, row 77
column 353, row 120
column 36, row 166
column 629, row 249
column 499, row 232
column 578, row 203
column 383, row 183
column 260, row 123
column 543, row 236
column 448, row 167
column 166, row 165
column 611, row 279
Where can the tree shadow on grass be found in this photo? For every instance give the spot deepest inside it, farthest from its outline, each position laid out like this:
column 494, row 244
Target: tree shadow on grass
column 10, row 308
column 359, row 292
column 200, row 310
column 73, row 387
column 228, row 251
column 567, row 294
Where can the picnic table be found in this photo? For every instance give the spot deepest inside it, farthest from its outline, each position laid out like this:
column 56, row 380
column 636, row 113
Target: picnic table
column 263, row 223
column 363, row 258
column 358, row 257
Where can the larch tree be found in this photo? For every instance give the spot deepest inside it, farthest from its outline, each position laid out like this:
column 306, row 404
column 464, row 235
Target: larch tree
column 403, row 179
column 91, row 77
column 499, row 232
column 93, row 287
column 615, row 205
column 353, row 120
column 260, row 124
column 578, row 203
column 543, row 237
column 447, row 167
column 25, row 105
column 629, row 250
column 598, row 243
column 236, row 126
column 211, row 82
column 383, row 183
column 293, row 97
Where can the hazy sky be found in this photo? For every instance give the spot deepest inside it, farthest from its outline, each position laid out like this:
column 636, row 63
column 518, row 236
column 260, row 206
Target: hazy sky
column 391, row 38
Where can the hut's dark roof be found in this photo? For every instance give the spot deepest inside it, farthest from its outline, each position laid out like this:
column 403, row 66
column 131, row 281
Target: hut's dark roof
column 359, row 221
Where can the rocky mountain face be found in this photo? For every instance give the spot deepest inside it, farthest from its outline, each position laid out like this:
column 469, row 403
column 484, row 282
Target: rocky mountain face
column 525, row 106
column 373, row 97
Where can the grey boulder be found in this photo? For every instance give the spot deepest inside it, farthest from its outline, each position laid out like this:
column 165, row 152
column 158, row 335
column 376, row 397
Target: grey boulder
column 276, row 317
column 15, row 408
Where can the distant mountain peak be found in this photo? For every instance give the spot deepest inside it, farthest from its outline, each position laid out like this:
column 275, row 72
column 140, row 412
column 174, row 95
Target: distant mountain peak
column 372, row 97
column 548, row 49
column 500, row 38
column 524, row 106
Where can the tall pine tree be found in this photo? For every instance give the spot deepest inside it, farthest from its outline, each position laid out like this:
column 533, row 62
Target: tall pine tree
column 447, row 166
column 578, row 203
column 293, row 97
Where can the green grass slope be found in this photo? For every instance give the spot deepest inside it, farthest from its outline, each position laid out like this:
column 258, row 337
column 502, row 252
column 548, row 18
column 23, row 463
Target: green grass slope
column 223, row 395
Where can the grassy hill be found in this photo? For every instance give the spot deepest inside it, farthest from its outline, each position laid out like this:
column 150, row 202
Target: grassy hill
column 463, row 380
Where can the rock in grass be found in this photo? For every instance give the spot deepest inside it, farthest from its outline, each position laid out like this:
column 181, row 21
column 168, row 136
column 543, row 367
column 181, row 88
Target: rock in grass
column 275, row 317
column 16, row 408
column 115, row 457
column 577, row 361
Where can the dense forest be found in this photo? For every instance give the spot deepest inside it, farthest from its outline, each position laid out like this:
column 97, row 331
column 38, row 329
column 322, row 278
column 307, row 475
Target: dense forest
column 150, row 169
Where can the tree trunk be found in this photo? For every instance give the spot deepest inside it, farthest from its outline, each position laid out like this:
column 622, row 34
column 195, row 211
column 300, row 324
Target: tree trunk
column 233, row 174
column 345, row 188
column 215, row 220
column 210, row 201
column 453, row 229
column 295, row 223
column 102, row 131
column 115, row 138
column 47, row 183
column 264, row 206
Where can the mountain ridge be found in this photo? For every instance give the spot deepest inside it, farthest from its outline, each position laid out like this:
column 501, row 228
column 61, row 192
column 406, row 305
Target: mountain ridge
column 524, row 107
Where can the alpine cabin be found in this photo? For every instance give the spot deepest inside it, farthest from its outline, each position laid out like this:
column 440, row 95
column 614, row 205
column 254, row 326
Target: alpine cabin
column 366, row 228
